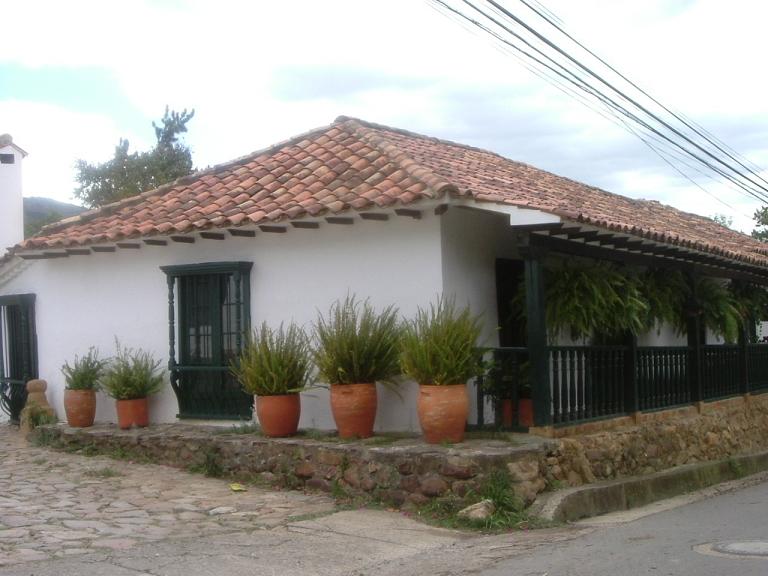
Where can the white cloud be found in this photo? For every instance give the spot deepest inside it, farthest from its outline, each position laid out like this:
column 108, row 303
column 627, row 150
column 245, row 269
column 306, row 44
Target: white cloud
column 55, row 137
column 401, row 63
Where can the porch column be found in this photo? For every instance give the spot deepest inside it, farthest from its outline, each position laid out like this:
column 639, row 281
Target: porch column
column 537, row 335
column 693, row 314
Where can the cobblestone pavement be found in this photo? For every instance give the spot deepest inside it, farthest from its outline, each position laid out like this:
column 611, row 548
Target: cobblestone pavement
column 54, row 504
column 70, row 515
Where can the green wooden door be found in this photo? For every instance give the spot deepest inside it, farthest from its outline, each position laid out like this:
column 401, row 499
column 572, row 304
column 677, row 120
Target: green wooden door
column 212, row 325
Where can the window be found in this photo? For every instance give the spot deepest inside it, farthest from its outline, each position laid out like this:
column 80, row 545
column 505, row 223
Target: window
column 7, row 159
column 18, row 351
column 211, row 302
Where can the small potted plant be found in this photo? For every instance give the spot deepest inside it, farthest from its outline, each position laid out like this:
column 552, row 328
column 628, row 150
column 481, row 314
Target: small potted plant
column 439, row 351
column 82, row 380
column 356, row 346
column 132, row 376
column 274, row 366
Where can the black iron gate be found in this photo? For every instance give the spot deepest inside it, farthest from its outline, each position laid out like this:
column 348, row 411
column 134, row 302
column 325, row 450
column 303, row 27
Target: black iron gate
column 18, row 351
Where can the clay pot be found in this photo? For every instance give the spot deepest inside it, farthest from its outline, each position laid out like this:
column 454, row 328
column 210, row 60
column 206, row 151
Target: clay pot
column 132, row 412
column 80, row 406
column 443, row 412
column 354, row 409
column 279, row 415
column 508, row 412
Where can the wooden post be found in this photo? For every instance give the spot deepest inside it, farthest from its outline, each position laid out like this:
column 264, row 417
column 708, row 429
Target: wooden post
column 693, row 313
column 744, row 360
column 537, row 334
column 631, row 395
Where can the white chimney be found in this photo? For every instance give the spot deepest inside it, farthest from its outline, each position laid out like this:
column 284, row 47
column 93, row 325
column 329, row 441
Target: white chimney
column 11, row 200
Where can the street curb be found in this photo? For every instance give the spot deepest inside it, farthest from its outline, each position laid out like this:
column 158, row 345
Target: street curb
column 596, row 499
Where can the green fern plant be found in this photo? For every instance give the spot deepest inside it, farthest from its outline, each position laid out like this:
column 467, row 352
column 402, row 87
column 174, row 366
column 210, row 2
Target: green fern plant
column 132, row 374
column 274, row 362
column 85, row 372
column 719, row 308
column 594, row 299
column 355, row 343
column 440, row 345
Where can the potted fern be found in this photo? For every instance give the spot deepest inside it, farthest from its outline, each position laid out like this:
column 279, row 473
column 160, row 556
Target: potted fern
column 355, row 347
column 274, row 366
column 81, row 383
column 439, row 351
column 132, row 376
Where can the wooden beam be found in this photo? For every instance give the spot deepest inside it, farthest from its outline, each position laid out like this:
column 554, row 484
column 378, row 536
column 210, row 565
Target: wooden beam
column 306, row 225
column 103, row 248
column 550, row 227
column 213, row 235
column 183, row 239
column 129, row 245
column 32, row 256
column 274, row 229
column 655, row 258
column 410, row 213
column 155, row 242
column 339, row 220
column 442, row 209
column 378, row 216
column 78, row 251
column 242, row 233
column 565, row 230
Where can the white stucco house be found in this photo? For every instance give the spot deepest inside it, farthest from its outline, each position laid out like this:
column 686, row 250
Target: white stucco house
column 354, row 207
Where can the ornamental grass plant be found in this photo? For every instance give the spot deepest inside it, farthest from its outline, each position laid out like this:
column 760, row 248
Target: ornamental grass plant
column 439, row 346
column 132, row 374
column 274, row 362
column 355, row 343
column 85, row 372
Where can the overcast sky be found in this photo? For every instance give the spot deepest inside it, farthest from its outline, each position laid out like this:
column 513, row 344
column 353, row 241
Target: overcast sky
column 76, row 76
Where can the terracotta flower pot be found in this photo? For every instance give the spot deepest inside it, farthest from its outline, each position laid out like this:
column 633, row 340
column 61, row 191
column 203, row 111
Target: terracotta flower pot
column 354, row 409
column 443, row 412
column 279, row 415
column 132, row 412
column 508, row 412
column 80, row 406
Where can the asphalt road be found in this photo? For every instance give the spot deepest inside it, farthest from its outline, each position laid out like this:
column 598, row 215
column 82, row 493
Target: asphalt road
column 674, row 542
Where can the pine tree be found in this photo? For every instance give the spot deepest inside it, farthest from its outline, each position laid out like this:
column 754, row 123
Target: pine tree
column 130, row 173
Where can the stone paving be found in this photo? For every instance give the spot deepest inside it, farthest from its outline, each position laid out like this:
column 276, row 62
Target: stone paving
column 54, row 504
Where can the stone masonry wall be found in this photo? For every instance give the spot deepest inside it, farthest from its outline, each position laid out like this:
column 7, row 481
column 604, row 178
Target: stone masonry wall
column 662, row 440
column 400, row 472
column 409, row 472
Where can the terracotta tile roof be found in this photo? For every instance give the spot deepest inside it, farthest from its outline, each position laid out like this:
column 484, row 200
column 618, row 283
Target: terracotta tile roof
column 353, row 165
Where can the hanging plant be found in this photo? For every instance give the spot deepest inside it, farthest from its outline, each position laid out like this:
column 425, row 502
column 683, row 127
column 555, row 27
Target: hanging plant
column 719, row 308
column 752, row 303
column 597, row 299
column 666, row 292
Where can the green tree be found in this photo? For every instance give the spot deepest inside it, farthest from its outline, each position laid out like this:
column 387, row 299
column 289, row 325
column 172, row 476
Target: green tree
column 723, row 220
column 130, row 173
column 761, row 220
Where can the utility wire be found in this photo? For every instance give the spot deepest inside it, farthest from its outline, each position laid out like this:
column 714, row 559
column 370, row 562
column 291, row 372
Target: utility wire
column 571, row 77
column 549, row 17
column 608, row 84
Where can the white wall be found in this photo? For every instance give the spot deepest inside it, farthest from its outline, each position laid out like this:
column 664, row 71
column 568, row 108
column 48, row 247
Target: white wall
column 11, row 201
column 85, row 301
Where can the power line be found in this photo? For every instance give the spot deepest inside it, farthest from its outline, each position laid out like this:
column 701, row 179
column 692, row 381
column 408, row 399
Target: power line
column 583, row 85
column 549, row 17
column 634, row 102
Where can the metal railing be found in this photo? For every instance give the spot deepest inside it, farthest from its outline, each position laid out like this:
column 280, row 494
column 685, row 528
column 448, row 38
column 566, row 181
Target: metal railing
column 593, row 382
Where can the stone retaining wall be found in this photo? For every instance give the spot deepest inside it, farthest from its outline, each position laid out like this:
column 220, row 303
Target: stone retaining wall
column 666, row 439
column 400, row 472
column 408, row 471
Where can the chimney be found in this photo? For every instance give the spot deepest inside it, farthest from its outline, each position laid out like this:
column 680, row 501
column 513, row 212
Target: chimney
column 11, row 201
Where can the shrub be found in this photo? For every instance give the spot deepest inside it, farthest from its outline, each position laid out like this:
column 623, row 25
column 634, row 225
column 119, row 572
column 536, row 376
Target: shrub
column 85, row 372
column 132, row 374
column 357, row 344
column 274, row 361
column 439, row 346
